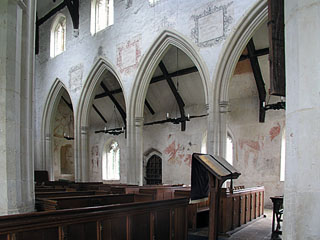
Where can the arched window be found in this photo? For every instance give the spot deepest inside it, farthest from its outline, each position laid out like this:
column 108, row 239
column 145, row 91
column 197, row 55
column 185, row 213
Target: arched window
column 283, row 155
column 153, row 2
column 101, row 15
column 58, row 36
column 229, row 150
column 154, row 170
column 111, row 162
column 204, row 142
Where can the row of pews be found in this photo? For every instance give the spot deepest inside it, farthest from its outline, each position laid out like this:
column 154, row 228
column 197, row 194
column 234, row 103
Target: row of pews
column 93, row 210
column 237, row 207
column 68, row 210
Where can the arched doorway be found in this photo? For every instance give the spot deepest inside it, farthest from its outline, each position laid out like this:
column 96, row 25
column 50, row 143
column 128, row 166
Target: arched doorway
column 153, row 172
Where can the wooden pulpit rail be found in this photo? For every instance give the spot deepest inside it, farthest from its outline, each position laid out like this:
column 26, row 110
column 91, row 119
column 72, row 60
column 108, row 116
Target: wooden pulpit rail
column 149, row 220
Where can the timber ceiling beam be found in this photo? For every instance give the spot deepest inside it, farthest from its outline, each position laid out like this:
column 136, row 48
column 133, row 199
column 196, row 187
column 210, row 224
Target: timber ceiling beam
column 175, row 74
column 99, row 113
column 68, row 104
column 115, row 102
column 119, row 90
column 258, row 77
column 73, row 7
column 153, row 80
column 175, row 93
column 257, row 53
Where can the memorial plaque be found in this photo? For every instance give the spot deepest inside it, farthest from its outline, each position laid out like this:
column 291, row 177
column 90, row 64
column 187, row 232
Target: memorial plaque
column 128, row 54
column 211, row 26
column 75, row 78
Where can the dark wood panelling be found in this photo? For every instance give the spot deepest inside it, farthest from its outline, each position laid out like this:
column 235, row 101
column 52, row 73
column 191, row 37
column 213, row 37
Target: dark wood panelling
column 114, row 229
column 41, row 234
column 140, row 226
column 162, row 225
column 277, row 47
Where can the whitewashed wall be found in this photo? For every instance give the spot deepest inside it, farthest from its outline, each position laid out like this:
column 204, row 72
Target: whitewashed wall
column 205, row 23
column 257, row 146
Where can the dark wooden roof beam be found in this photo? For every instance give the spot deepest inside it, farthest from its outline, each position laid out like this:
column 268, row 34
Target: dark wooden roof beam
column 149, row 107
column 68, row 104
column 73, row 7
column 175, row 93
column 115, row 102
column 154, row 80
column 99, row 113
column 257, row 53
column 258, row 78
column 175, row 74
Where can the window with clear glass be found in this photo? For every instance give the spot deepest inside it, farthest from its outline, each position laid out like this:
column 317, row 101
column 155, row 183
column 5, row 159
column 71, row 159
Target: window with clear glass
column 58, row 36
column 229, row 150
column 101, row 15
column 111, row 162
column 153, row 2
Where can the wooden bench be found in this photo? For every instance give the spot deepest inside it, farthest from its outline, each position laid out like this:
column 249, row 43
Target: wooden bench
column 239, row 207
column 161, row 220
column 195, row 210
column 57, row 203
column 160, row 192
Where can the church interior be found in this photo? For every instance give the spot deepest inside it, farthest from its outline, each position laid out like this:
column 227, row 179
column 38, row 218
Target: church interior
column 159, row 119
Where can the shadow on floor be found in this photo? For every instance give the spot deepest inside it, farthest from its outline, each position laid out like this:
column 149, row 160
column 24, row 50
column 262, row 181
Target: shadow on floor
column 259, row 229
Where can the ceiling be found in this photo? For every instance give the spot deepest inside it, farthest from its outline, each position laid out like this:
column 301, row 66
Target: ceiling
column 159, row 94
column 244, row 86
column 44, row 6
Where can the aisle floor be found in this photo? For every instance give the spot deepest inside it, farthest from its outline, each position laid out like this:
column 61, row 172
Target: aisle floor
column 259, row 229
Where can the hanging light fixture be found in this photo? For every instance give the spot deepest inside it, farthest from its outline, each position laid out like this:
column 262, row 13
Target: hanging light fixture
column 181, row 119
column 115, row 130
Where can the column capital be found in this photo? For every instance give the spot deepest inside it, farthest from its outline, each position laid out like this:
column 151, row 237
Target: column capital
column 139, row 121
column 224, row 107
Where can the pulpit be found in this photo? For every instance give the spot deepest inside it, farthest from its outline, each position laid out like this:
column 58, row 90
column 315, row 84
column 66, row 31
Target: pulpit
column 208, row 173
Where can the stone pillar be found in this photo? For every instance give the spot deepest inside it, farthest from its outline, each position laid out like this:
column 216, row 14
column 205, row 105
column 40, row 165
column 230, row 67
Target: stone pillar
column 302, row 174
column 17, row 20
column 139, row 151
column 82, row 167
column 224, row 109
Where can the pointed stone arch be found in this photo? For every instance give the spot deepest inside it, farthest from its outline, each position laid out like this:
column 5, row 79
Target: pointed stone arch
column 50, row 108
column 226, row 64
column 83, row 111
column 144, row 74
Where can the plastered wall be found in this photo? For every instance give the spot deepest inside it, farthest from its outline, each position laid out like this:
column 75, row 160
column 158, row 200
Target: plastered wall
column 63, row 125
column 176, row 148
column 135, row 30
column 257, row 146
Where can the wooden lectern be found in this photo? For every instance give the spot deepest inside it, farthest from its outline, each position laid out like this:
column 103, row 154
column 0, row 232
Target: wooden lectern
column 208, row 173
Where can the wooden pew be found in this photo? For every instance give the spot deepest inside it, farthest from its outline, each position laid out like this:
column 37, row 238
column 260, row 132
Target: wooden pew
column 67, row 194
column 240, row 207
column 161, row 220
column 236, row 209
column 160, row 192
column 59, row 203
column 195, row 210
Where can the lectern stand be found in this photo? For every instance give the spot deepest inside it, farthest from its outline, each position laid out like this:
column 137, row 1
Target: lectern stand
column 207, row 176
